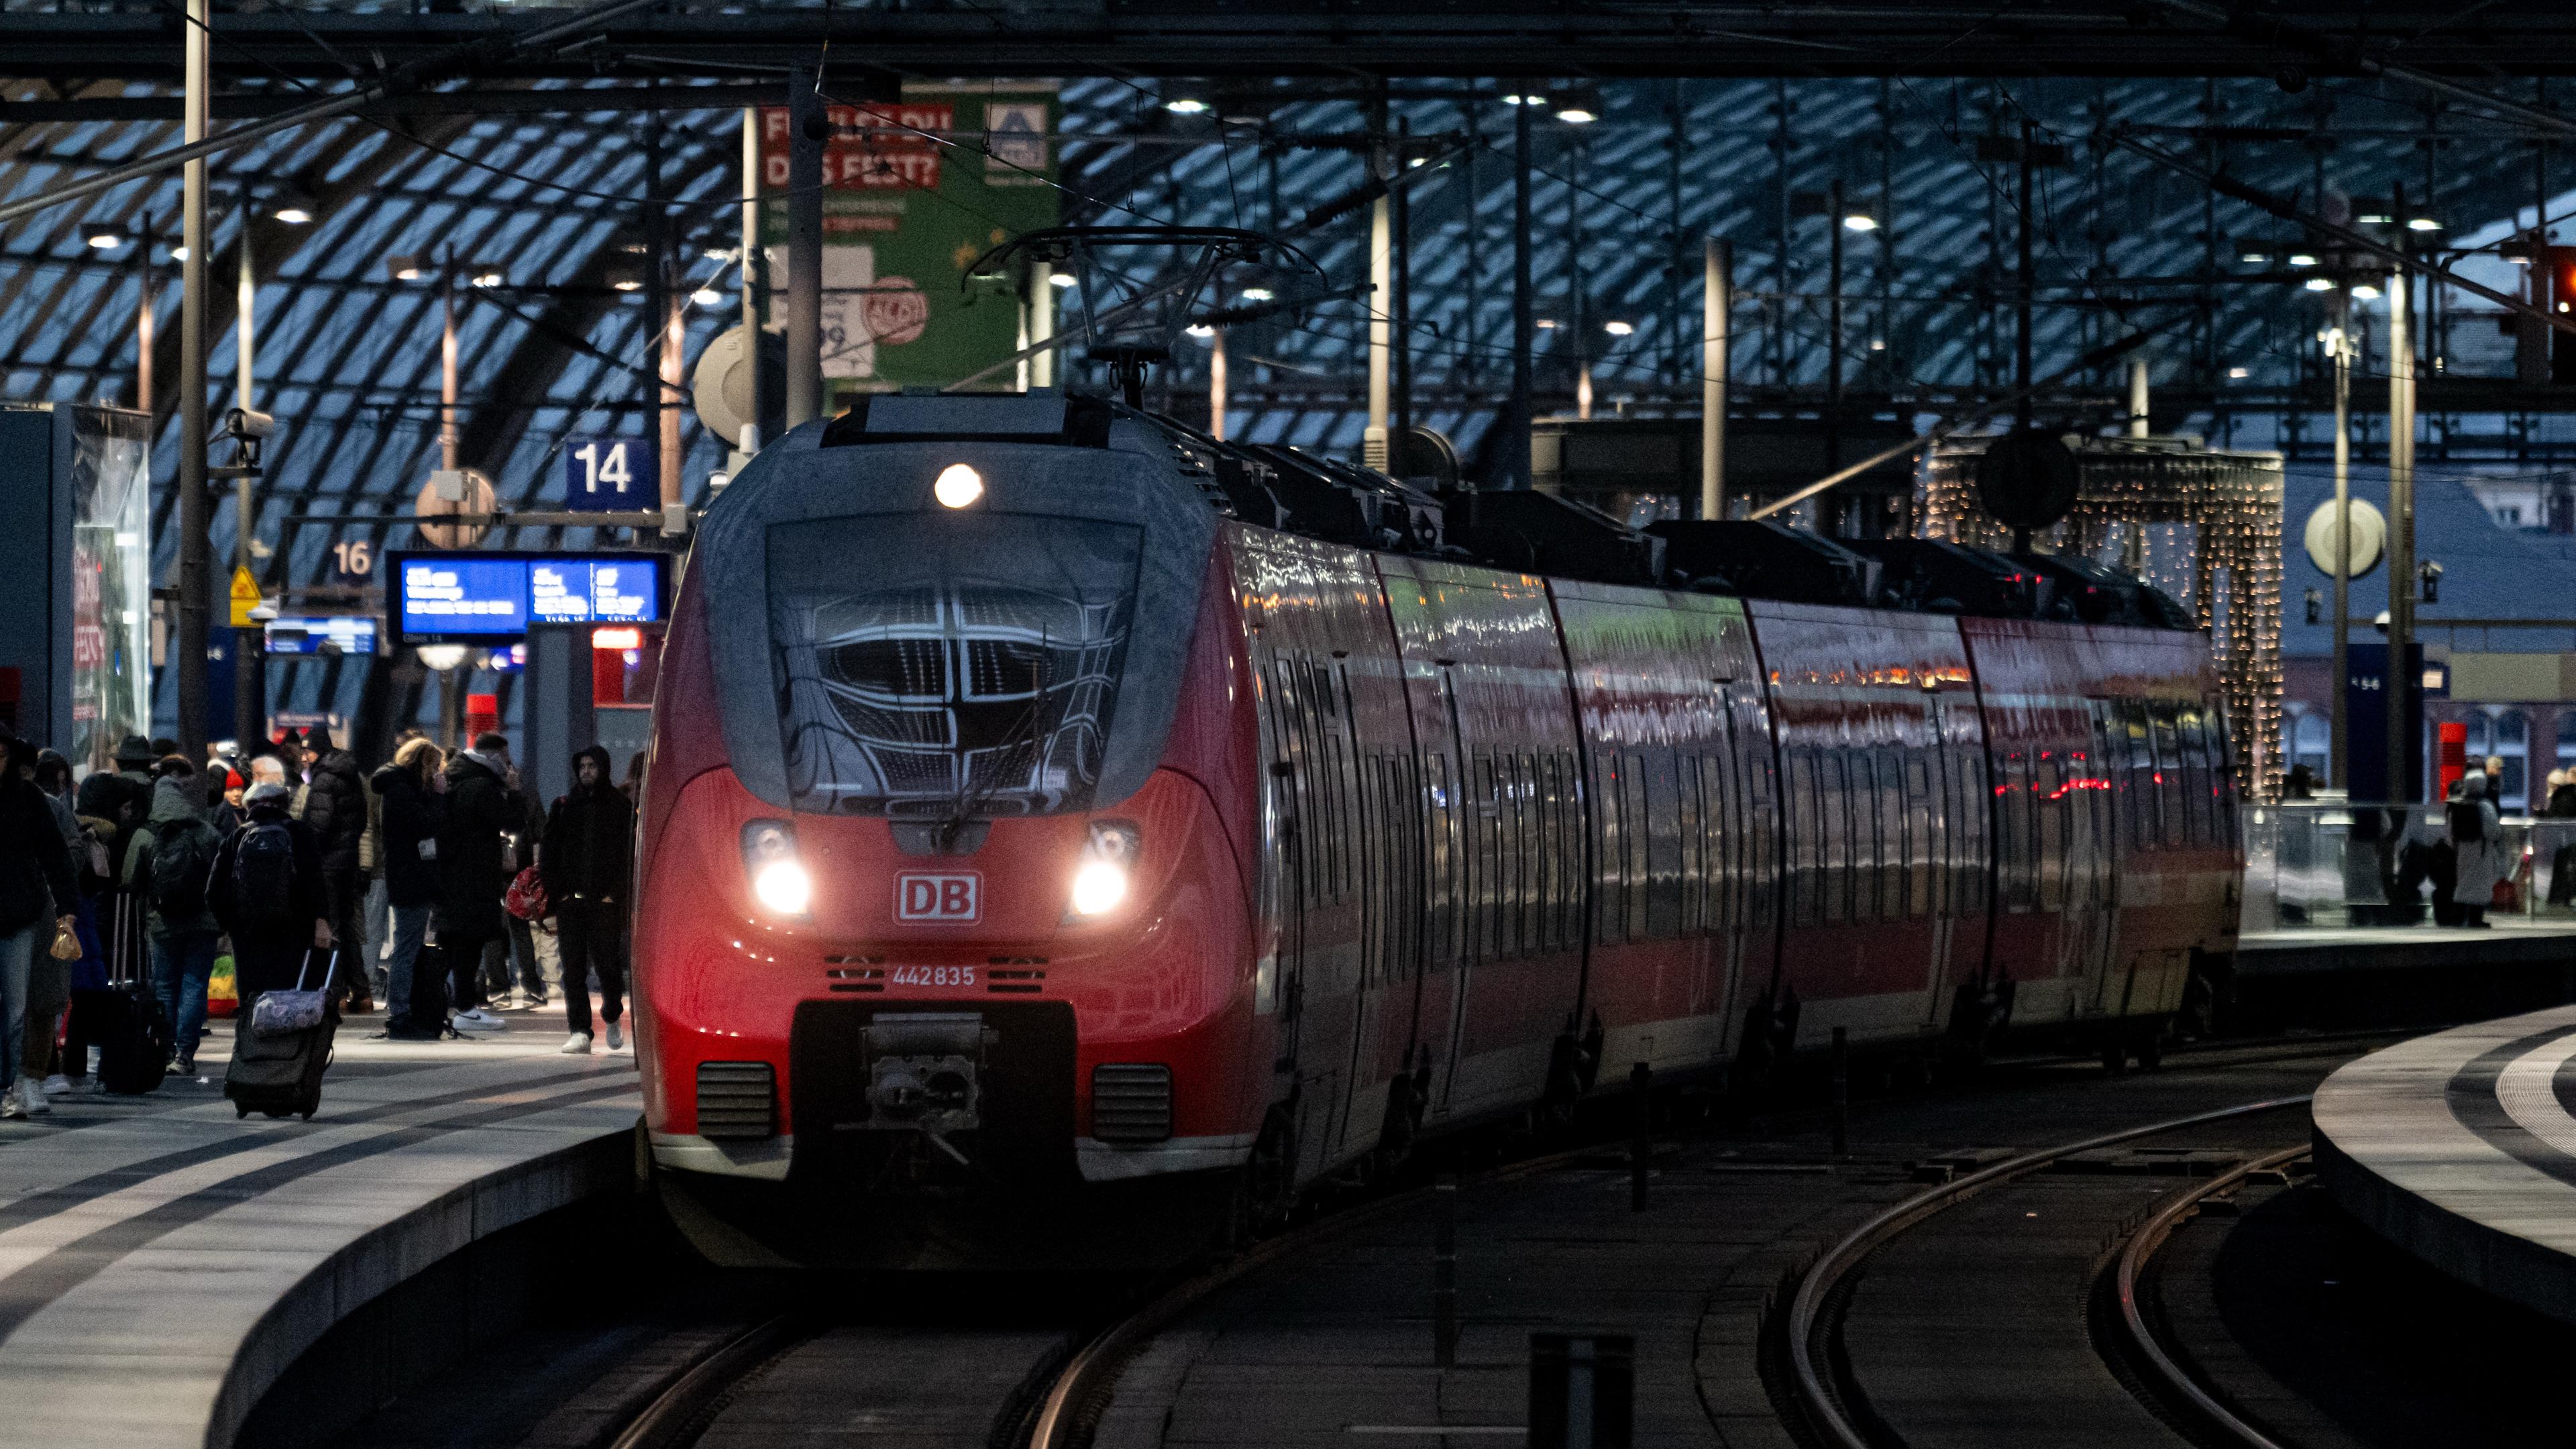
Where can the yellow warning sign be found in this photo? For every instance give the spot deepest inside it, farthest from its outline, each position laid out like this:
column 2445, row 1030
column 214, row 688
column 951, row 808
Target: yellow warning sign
column 245, row 597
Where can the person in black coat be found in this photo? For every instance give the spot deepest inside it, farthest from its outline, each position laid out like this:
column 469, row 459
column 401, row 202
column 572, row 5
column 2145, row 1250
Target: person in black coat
column 335, row 806
column 271, row 934
column 38, row 896
column 474, row 852
column 586, row 862
column 407, row 843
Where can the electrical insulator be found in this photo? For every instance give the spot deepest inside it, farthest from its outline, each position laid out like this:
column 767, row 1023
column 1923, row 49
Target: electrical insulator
column 2431, row 573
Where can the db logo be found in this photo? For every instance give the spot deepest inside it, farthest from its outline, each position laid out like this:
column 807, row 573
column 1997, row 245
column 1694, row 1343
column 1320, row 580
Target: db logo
column 923, row 897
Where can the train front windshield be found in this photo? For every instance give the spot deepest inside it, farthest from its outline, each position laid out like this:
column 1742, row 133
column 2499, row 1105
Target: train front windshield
column 936, row 667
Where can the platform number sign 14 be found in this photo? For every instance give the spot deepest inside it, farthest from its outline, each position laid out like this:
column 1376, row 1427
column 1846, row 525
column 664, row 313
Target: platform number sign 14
column 604, row 475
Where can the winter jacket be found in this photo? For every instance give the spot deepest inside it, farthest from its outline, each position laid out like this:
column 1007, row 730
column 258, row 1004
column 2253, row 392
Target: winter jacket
column 590, row 839
column 412, row 815
column 371, row 844
column 173, row 808
column 335, row 805
column 474, row 847
column 36, row 873
column 123, row 797
column 305, row 902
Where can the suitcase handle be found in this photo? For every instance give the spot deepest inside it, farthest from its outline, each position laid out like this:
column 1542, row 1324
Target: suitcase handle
column 330, row 968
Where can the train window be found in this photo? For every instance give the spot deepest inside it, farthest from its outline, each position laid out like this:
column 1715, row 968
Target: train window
column 1891, row 834
column 2048, row 799
column 1758, row 811
column 1439, row 827
column 1693, row 884
column 2222, row 766
column 1804, row 821
column 1608, row 909
column 1551, row 859
column 1862, row 778
column 1833, row 877
column 2168, row 774
column 1564, row 781
column 1920, row 813
column 1491, row 885
column 1524, row 875
column 2194, row 739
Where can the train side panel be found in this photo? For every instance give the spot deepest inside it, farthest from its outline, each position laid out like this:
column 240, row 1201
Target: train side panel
column 1679, row 920
column 1503, row 825
column 1883, row 814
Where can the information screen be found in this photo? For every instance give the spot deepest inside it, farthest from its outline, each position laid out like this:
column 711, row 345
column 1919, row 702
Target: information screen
column 341, row 633
column 460, row 596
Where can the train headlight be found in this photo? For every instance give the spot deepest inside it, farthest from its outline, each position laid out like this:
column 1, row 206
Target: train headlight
column 1108, row 859
column 958, row 486
column 778, row 878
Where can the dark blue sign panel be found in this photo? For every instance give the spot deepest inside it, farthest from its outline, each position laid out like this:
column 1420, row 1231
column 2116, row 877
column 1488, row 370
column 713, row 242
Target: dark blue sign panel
column 330, row 634
column 2365, row 704
column 466, row 596
column 609, row 475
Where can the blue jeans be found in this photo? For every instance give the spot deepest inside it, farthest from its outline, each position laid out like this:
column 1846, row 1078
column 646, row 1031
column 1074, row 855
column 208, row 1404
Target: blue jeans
column 181, row 963
column 371, row 926
column 411, row 928
column 18, row 953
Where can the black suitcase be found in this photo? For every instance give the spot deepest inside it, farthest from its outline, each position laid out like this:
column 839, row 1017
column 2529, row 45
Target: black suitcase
column 134, row 1053
column 281, row 1072
column 425, row 1018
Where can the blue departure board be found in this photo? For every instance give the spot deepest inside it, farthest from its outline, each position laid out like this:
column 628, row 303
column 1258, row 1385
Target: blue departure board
column 501, row 595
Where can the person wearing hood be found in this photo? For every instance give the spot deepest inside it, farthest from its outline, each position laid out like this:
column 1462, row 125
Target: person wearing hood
column 169, row 868
column 266, row 891
column 2478, row 838
column 474, row 843
column 335, row 806
column 123, row 794
column 407, row 794
column 38, row 891
column 586, row 861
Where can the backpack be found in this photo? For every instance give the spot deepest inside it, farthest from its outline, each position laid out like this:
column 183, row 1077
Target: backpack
column 526, row 897
column 264, row 874
column 183, row 856
column 2467, row 824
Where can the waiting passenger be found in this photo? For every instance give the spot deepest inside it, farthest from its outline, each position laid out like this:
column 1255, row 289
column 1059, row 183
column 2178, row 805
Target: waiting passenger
column 266, row 890
column 169, row 867
column 407, row 850
column 2478, row 839
column 587, row 857
column 37, row 889
column 2562, row 794
column 473, row 873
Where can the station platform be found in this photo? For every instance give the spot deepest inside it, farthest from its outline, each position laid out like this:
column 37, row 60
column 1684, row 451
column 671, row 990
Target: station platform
column 2460, row 1147
column 163, row 1263
column 2510, row 941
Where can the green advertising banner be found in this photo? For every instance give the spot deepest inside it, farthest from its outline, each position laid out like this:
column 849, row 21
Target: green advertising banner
column 915, row 191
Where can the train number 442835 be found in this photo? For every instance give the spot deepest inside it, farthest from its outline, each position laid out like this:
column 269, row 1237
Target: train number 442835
column 933, row 976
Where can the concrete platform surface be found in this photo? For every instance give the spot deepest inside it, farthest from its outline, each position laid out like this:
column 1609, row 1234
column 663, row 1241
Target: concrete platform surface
column 2461, row 1148
column 162, row 1263
column 2509, row 940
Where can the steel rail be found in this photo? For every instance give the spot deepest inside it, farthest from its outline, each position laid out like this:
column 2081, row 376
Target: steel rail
column 2141, row 1246
column 1806, row 1308
column 669, row 1421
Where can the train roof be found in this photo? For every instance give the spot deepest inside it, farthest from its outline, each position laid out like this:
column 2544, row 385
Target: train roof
column 1278, row 486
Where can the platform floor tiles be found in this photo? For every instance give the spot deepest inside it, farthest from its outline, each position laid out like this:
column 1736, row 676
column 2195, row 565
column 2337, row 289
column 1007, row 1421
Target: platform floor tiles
column 161, row 1261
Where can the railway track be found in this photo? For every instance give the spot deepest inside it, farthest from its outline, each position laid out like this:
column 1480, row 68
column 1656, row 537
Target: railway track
column 1897, row 1339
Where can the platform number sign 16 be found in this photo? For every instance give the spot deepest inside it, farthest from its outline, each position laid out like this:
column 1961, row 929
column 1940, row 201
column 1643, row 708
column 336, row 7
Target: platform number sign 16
column 353, row 562
column 604, row 475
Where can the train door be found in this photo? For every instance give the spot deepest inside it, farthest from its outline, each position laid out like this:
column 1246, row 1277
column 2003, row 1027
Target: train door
column 1286, row 789
column 1463, row 811
column 1926, row 794
column 2092, row 914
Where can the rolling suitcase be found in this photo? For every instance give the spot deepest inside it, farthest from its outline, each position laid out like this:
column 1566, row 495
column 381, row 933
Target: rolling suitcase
column 284, row 1047
column 135, row 1051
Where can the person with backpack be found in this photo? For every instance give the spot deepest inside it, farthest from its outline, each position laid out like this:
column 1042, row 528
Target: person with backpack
column 266, row 891
column 586, row 861
column 335, row 806
column 474, row 873
column 2477, row 838
column 49, row 980
column 407, row 849
column 169, row 868
column 37, row 894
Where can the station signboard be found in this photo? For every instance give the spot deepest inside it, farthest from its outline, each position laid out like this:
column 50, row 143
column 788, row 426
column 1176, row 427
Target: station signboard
column 330, row 634
column 607, row 475
column 458, row 597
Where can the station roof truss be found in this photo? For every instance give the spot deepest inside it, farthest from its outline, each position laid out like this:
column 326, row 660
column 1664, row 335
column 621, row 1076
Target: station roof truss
column 554, row 190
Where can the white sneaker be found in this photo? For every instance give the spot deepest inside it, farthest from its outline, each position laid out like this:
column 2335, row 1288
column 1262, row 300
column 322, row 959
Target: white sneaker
column 616, row 1037
column 9, row 1103
column 31, row 1097
column 481, row 1018
column 57, row 1084
column 576, row 1045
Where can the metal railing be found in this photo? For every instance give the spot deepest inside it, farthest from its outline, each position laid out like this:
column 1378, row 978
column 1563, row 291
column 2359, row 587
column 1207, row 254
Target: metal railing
column 2336, row 863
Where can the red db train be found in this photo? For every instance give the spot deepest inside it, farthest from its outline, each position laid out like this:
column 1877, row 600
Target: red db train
column 1064, row 832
